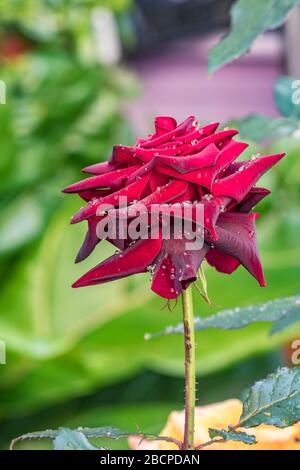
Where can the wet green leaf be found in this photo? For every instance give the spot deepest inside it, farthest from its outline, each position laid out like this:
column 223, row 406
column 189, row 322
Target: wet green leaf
column 289, row 318
column 67, row 439
column 248, row 20
column 229, row 435
column 232, row 319
column 274, row 400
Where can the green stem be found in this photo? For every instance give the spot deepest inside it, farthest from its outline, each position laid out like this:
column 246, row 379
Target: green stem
column 190, row 374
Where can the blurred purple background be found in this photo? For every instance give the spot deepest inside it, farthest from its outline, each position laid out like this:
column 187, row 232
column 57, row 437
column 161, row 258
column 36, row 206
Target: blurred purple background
column 175, row 82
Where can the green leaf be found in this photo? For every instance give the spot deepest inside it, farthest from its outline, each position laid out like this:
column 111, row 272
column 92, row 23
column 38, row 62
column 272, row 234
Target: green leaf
column 232, row 436
column 274, row 400
column 67, row 439
column 21, row 222
column 287, row 96
column 149, row 416
column 106, row 431
column 232, row 319
column 38, row 435
column 258, row 127
column 248, row 20
column 290, row 318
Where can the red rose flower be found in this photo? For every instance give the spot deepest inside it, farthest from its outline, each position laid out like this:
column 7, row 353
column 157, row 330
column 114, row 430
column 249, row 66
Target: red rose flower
column 177, row 165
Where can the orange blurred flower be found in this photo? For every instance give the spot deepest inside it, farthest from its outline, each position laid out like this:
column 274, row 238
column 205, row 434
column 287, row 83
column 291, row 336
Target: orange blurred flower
column 220, row 416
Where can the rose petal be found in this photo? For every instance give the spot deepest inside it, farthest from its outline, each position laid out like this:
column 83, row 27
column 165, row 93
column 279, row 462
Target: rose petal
column 254, row 196
column 176, row 268
column 99, row 168
column 214, row 138
column 157, row 180
column 239, row 184
column 206, row 157
column 221, row 261
column 237, row 238
column 90, row 242
column 181, row 129
column 132, row 192
column 111, row 179
column 162, row 195
column 135, row 259
column 164, row 124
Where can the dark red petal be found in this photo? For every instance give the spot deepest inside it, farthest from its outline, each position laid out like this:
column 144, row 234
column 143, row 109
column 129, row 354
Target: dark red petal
column 164, row 283
column 239, row 184
column 132, row 192
column 214, row 138
column 157, row 180
column 162, row 195
column 254, row 196
column 206, row 157
column 229, row 153
column 146, row 155
column 111, row 179
column 205, row 213
column 204, row 176
column 200, row 133
column 181, row 129
column 123, row 155
column 99, row 168
column 164, row 124
column 190, row 195
column 140, row 172
column 135, row 259
column 90, row 242
column 237, row 238
column 195, row 134
column 221, row 261
column 212, row 209
column 176, row 268
column 88, row 195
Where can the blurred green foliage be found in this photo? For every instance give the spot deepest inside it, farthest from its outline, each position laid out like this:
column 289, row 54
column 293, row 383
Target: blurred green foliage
column 60, row 115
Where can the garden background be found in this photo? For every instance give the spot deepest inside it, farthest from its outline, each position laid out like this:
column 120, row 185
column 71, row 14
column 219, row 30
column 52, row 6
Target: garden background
column 81, row 76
